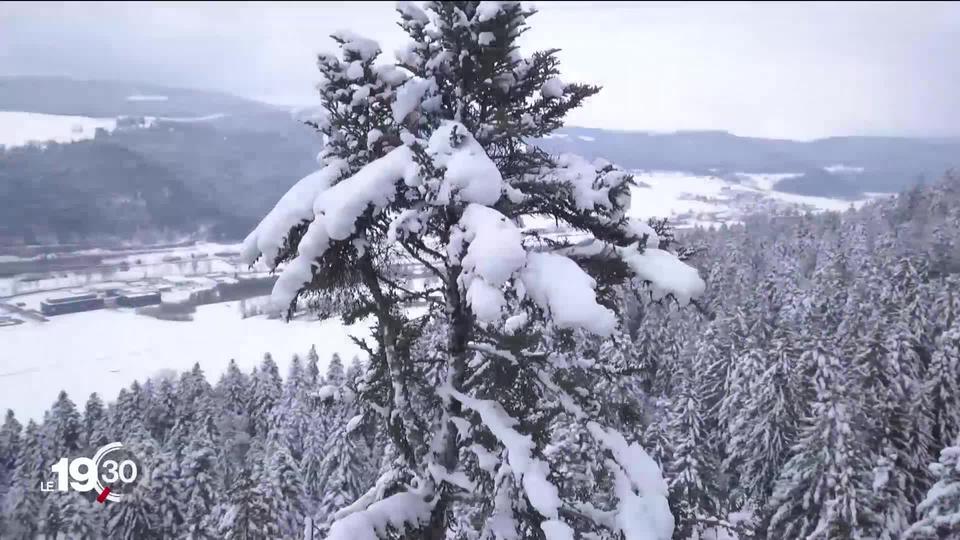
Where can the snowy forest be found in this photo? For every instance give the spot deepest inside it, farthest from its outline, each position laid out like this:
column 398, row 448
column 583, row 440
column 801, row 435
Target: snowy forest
column 813, row 394
column 606, row 377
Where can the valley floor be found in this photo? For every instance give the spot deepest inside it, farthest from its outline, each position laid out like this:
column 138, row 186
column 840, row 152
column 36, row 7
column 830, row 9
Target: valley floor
column 106, row 350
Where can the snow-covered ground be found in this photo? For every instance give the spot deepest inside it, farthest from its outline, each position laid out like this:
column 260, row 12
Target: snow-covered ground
column 106, row 350
column 147, row 98
column 711, row 200
column 22, row 128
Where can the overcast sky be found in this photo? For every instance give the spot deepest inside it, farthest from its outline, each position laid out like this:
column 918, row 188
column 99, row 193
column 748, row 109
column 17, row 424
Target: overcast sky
column 794, row 70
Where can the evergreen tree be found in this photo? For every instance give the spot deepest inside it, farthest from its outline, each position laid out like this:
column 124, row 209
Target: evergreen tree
column 287, row 488
column 939, row 511
column 766, row 426
column 692, row 472
column 135, row 517
column 10, row 433
column 264, row 396
column 488, row 364
column 23, row 510
column 199, row 487
column 95, row 428
column 246, row 510
column 62, row 428
column 165, row 492
column 823, row 488
column 943, row 388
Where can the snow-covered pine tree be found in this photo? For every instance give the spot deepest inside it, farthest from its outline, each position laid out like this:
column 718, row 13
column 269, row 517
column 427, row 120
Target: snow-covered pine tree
column 198, row 470
column 452, row 194
column 292, row 416
column 62, row 428
column 943, row 388
column 692, row 473
column 312, row 367
column 245, row 512
column 10, row 433
column 22, row 511
column 264, row 397
column 766, row 425
column 939, row 512
column 823, row 489
column 81, row 518
column 160, row 408
column 135, row 518
column 95, row 425
column 286, row 487
column 165, row 492
column 194, row 399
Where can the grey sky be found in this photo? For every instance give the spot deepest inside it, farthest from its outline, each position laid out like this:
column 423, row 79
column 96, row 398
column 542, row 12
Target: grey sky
column 797, row 70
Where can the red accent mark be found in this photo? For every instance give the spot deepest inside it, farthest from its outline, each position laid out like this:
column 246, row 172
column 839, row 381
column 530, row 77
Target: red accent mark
column 103, row 496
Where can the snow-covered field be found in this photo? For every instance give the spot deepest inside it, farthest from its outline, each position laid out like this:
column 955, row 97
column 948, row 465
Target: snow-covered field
column 709, row 200
column 22, row 128
column 104, row 351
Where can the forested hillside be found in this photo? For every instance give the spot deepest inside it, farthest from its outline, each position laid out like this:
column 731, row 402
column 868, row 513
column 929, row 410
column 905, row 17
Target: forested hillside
column 209, row 179
column 806, row 394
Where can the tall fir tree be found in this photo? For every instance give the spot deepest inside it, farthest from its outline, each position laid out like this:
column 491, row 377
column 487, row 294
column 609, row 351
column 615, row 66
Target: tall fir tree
column 939, row 511
column 823, row 489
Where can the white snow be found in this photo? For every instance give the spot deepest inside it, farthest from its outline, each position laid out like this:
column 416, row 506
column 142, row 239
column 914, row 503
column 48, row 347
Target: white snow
column 515, row 323
column 554, row 529
column 488, row 10
column 355, row 70
column 553, row 88
column 485, row 38
column 667, row 274
column 373, row 136
column 408, row 97
column 106, row 350
column 691, row 200
column 469, row 171
column 496, row 250
column 494, row 254
column 398, row 511
column 326, row 391
column 192, row 119
column 591, row 188
column 363, row 47
column 642, row 512
column 295, row 206
column 354, row 423
column 147, row 98
column 335, row 213
column 560, row 287
column 413, row 11
column 531, row 471
column 841, row 168
column 23, row 128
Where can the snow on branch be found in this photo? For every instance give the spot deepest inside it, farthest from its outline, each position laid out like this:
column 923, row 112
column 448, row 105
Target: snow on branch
column 469, row 170
column 365, row 48
column 295, row 206
column 336, row 211
column 667, row 274
column 399, row 511
column 642, row 512
column 495, row 252
column 559, row 286
column 529, row 470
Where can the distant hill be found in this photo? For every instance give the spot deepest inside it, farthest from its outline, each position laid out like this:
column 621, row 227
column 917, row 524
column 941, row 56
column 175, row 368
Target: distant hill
column 184, row 161
column 193, row 161
column 866, row 164
column 61, row 95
